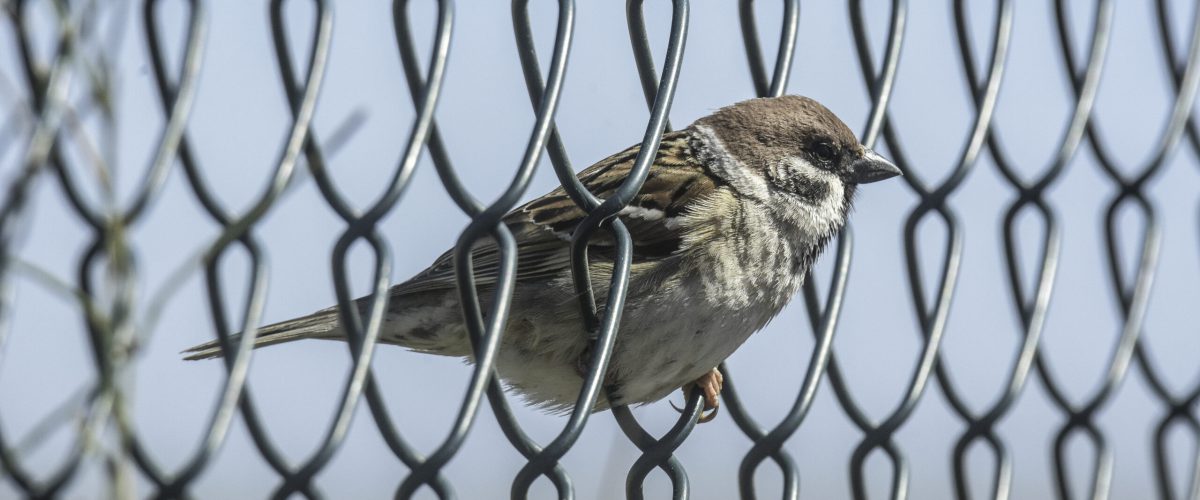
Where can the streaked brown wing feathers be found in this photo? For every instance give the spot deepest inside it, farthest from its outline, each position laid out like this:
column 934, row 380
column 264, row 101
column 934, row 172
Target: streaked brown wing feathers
column 543, row 226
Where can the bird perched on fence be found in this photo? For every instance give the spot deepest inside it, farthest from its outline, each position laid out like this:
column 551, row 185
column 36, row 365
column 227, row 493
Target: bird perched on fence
column 734, row 210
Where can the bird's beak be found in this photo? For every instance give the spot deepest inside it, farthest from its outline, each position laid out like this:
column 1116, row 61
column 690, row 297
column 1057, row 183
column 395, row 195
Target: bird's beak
column 873, row 168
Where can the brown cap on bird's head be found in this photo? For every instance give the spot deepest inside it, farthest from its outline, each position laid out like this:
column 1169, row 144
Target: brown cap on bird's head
column 761, row 131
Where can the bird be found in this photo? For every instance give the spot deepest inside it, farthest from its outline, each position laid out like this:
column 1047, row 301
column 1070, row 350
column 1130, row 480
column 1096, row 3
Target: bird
column 734, row 210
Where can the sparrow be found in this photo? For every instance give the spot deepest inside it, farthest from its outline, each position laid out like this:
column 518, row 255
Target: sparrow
column 734, row 210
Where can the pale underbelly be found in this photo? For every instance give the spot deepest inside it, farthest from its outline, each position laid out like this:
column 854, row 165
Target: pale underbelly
column 659, row 348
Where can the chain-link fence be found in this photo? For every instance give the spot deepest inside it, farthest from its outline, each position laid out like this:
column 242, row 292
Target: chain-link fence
column 63, row 90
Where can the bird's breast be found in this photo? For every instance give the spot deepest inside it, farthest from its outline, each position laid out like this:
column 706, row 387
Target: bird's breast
column 750, row 260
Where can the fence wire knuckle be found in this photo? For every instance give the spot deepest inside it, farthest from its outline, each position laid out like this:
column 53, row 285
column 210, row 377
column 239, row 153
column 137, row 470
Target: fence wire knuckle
column 65, row 83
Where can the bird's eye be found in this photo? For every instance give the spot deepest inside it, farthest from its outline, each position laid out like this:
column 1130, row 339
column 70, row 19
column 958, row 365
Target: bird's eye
column 824, row 151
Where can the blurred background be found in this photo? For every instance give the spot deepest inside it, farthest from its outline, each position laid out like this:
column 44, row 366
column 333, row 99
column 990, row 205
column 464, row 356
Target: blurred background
column 241, row 119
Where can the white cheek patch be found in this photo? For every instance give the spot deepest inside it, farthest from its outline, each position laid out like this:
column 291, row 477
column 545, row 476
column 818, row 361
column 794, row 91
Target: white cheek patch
column 813, row 220
column 799, row 167
column 729, row 169
column 822, row 216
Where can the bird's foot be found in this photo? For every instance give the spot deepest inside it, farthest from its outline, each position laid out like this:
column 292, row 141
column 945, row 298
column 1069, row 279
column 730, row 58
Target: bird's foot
column 711, row 383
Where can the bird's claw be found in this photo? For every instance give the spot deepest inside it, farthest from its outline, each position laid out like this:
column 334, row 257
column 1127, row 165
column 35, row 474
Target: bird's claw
column 711, row 383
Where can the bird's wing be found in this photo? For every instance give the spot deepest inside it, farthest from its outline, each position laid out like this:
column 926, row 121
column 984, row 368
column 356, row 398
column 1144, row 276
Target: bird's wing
column 543, row 227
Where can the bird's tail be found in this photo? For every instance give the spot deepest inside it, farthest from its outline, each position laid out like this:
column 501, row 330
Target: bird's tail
column 322, row 324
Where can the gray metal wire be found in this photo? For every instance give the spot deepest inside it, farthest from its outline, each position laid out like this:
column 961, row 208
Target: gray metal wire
column 112, row 332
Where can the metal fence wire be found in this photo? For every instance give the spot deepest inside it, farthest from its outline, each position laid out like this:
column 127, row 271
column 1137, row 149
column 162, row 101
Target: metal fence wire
column 38, row 130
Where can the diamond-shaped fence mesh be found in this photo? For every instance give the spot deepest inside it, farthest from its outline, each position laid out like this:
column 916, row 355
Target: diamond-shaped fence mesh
column 64, row 79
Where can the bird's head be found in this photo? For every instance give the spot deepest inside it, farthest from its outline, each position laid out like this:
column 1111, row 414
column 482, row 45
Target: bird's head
column 792, row 153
